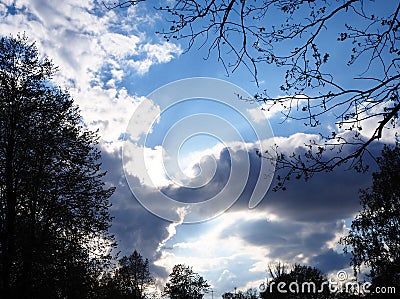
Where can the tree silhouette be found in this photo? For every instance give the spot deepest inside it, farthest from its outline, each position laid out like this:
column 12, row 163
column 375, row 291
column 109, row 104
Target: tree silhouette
column 337, row 59
column 248, row 294
column 299, row 282
column 131, row 279
column 183, row 283
column 53, row 203
column 374, row 237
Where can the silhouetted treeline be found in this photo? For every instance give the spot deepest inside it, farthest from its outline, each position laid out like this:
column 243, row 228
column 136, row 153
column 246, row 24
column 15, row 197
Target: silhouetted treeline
column 54, row 215
column 131, row 279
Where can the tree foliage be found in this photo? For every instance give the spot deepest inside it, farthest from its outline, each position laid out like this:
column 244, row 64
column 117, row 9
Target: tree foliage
column 374, row 238
column 134, row 275
column 248, row 294
column 53, row 203
column 296, row 282
column 183, row 283
column 336, row 58
column 131, row 279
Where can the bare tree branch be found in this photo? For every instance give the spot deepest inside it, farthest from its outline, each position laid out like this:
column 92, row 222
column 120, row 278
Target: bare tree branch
column 302, row 38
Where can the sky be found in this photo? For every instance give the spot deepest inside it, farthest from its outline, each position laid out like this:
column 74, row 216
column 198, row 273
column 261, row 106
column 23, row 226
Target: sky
column 191, row 143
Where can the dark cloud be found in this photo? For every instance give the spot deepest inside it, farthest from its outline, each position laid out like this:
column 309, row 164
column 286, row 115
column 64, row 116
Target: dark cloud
column 211, row 189
column 133, row 226
column 330, row 260
column 310, row 214
column 285, row 240
column 304, row 219
column 327, row 196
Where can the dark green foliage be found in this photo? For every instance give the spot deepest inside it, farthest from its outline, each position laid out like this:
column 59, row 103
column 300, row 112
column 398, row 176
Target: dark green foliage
column 53, row 203
column 183, row 283
column 374, row 238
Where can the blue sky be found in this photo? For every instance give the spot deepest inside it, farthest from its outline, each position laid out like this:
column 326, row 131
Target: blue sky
column 110, row 61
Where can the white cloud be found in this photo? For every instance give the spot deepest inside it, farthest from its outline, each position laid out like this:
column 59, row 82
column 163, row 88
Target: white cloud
column 81, row 38
column 302, row 225
column 371, row 123
column 270, row 110
column 8, row 2
column 118, row 45
column 216, row 258
column 224, row 252
column 155, row 167
column 3, row 9
column 162, row 53
column 142, row 66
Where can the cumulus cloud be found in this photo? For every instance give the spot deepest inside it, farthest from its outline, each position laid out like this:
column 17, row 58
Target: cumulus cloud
column 162, row 53
column 118, row 45
column 300, row 225
column 93, row 54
